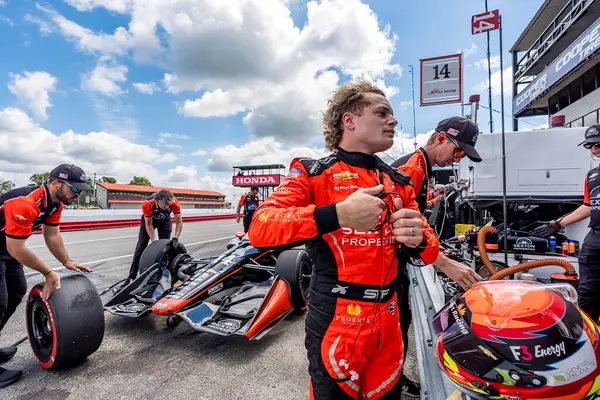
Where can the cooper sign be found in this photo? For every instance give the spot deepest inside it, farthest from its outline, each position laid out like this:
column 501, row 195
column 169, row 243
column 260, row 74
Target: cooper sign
column 256, row 180
column 582, row 49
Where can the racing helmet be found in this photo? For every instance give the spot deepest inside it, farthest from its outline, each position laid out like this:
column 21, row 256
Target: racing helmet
column 518, row 340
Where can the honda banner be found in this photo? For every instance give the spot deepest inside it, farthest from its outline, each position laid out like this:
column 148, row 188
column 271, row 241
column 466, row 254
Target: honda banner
column 577, row 53
column 256, row 180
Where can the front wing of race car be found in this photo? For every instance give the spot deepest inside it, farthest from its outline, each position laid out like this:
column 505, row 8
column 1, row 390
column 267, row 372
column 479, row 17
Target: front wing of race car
column 252, row 311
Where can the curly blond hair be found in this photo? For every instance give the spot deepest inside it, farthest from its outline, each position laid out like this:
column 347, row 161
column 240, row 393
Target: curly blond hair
column 350, row 97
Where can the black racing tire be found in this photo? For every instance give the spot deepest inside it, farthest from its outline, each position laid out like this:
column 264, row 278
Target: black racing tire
column 295, row 266
column 159, row 251
column 67, row 328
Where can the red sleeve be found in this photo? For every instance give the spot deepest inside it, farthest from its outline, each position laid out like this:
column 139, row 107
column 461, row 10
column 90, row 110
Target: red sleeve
column 147, row 208
column 20, row 214
column 54, row 219
column 429, row 249
column 241, row 202
column 416, row 176
column 175, row 207
column 288, row 217
column 586, row 192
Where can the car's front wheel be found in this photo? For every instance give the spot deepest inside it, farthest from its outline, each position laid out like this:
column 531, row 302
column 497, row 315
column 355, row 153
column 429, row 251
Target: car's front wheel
column 295, row 266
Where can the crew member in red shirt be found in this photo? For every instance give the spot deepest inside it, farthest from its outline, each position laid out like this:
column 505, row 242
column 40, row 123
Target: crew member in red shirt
column 22, row 211
column 156, row 212
column 359, row 221
column 250, row 203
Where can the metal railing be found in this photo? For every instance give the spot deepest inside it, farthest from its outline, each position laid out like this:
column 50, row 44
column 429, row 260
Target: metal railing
column 557, row 30
column 435, row 385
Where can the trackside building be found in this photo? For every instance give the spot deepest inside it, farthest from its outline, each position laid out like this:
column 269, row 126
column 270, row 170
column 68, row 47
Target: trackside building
column 120, row 196
column 556, row 63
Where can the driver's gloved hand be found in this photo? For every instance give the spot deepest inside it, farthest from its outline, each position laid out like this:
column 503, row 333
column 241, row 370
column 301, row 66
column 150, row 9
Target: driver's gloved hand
column 547, row 229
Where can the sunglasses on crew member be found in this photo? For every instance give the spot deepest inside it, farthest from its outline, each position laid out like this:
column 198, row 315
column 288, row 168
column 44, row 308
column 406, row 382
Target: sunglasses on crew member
column 590, row 145
column 458, row 152
column 73, row 188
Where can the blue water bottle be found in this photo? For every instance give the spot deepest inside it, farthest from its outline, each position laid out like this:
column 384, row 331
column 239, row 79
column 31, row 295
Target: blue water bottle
column 552, row 244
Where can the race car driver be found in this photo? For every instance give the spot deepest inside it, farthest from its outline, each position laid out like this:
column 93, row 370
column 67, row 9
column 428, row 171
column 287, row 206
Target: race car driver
column 589, row 256
column 250, row 203
column 156, row 214
column 452, row 139
column 22, row 211
column 353, row 211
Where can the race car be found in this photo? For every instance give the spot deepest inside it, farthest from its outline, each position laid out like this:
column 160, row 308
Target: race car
column 244, row 291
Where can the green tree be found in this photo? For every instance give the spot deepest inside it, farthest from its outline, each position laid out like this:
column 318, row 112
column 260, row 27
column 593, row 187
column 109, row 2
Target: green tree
column 108, row 179
column 38, row 179
column 5, row 186
column 140, row 181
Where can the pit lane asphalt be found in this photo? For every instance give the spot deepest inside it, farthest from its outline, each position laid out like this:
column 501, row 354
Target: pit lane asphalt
column 146, row 359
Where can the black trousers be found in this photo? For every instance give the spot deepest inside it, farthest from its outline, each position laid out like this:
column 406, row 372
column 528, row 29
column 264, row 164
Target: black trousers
column 248, row 221
column 589, row 275
column 402, row 291
column 164, row 228
column 13, row 288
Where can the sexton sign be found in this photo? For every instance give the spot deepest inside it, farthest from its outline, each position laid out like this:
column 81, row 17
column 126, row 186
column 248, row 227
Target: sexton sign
column 256, row 180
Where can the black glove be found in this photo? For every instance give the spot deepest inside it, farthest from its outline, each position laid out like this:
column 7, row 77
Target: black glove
column 547, row 229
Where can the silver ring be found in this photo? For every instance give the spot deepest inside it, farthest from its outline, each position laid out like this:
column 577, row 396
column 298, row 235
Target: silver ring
column 412, row 231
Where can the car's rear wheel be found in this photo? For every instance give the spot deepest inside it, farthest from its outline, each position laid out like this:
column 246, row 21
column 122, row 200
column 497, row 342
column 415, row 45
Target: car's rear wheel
column 295, row 266
column 69, row 326
column 159, row 251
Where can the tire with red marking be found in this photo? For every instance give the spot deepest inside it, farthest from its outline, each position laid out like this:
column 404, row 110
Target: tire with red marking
column 295, row 266
column 68, row 327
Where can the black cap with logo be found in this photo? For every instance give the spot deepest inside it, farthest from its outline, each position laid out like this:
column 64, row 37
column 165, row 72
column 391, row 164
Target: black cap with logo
column 592, row 135
column 464, row 132
column 71, row 174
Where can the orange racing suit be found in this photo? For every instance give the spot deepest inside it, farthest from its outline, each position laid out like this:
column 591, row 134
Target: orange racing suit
column 353, row 336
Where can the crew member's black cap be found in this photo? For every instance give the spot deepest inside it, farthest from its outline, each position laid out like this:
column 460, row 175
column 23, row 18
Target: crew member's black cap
column 71, row 174
column 464, row 132
column 592, row 135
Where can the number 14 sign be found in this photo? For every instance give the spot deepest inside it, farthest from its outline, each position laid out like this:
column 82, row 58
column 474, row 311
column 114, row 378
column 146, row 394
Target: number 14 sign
column 489, row 21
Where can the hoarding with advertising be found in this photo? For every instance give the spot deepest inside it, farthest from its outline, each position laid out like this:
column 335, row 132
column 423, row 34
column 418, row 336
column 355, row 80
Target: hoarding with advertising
column 576, row 54
column 256, row 180
column 441, row 80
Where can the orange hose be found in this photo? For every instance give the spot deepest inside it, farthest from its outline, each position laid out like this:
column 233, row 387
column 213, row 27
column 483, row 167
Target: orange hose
column 567, row 266
column 482, row 251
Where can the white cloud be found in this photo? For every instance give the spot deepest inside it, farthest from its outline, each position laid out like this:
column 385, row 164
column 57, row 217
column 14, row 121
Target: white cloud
column 263, row 151
column 7, row 20
column 405, row 104
column 2, row 3
column 254, row 59
column 467, row 52
column 120, row 6
column 25, row 150
column 199, row 152
column 483, row 63
column 507, row 76
column 182, row 173
column 32, row 88
column 146, row 88
column 173, row 136
column 173, row 146
column 44, row 26
column 87, row 40
column 103, row 79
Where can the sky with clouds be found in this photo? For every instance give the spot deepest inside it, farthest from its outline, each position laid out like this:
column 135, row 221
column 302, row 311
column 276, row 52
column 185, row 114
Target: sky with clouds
column 179, row 91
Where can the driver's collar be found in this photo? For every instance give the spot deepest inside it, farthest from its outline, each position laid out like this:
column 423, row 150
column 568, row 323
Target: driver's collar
column 358, row 159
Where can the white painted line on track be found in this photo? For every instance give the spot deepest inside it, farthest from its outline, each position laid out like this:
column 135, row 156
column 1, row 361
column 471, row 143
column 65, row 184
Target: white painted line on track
column 222, row 226
column 131, row 255
column 86, row 241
